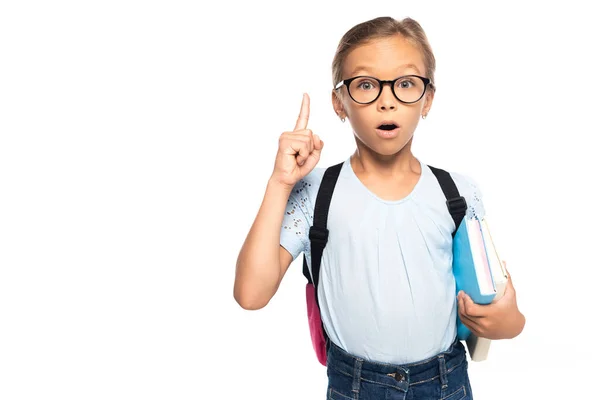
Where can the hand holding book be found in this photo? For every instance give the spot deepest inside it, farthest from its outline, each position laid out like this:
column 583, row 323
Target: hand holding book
column 482, row 281
column 501, row 319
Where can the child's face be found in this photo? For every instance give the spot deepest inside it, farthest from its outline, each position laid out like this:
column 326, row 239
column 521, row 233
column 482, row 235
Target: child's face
column 385, row 59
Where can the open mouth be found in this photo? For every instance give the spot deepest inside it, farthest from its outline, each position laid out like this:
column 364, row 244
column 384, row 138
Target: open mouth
column 387, row 127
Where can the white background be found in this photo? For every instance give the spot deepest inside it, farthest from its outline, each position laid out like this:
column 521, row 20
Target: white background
column 136, row 142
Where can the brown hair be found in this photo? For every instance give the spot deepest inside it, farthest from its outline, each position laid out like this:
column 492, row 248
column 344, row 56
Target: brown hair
column 382, row 27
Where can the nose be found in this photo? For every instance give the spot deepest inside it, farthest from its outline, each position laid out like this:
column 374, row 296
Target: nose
column 387, row 100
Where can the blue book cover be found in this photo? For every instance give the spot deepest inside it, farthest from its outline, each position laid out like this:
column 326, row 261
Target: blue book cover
column 465, row 271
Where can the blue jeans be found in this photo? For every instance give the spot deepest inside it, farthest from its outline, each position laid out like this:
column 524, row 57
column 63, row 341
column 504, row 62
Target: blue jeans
column 441, row 377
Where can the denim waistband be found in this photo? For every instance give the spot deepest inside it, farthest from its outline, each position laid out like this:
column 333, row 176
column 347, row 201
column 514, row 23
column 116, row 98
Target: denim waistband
column 399, row 375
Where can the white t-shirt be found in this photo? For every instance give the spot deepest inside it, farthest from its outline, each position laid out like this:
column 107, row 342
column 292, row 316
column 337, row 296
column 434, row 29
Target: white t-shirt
column 386, row 289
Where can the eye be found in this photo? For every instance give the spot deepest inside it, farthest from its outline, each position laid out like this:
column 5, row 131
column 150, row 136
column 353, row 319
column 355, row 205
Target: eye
column 406, row 83
column 366, row 84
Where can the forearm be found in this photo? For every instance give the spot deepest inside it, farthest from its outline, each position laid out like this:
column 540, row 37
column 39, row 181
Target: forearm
column 258, row 269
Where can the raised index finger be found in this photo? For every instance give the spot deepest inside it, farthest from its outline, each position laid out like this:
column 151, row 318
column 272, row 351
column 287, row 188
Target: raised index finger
column 304, row 111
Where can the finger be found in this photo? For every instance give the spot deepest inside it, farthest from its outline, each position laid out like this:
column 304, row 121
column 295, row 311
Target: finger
column 461, row 307
column 509, row 283
column 469, row 323
column 472, row 309
column 509, row 290
column 302, row 121
column 473, row 327
column 302, row 136
column 308, row 134
column 317, row 143
column 313, row 158
column 301, row 151
column 473, row 323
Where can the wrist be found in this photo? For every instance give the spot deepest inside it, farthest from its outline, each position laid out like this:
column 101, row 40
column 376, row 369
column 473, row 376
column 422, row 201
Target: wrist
column 277, row 185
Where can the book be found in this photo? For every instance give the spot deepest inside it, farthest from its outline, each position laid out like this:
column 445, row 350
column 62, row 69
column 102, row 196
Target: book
column 471, row 268
column 479, row 347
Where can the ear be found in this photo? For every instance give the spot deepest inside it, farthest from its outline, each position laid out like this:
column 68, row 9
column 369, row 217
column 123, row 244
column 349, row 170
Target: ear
column 428, row 101
column 338, row 107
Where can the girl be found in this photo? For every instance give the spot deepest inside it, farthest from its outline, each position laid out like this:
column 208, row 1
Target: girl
column 386, row 290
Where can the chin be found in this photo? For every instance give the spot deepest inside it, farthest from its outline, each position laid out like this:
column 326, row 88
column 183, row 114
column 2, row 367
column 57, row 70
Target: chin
column 387, row 151
column 390, row 148
column 385, row 147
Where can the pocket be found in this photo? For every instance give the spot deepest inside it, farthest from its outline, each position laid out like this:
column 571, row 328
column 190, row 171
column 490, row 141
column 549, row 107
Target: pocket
column 459, row 394
column 333, row 395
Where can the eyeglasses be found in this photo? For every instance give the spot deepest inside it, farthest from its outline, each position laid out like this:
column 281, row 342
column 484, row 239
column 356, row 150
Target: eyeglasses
column 407, row 89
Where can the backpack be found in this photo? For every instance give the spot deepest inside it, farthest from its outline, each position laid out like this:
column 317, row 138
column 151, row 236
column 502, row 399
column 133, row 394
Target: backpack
column 318, row 235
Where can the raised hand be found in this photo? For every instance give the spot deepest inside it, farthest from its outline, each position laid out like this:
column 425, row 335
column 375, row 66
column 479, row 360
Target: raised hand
column 299, row 150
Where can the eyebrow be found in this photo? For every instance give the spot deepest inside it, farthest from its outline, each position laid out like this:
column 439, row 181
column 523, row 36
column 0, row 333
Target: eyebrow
column 367, row 69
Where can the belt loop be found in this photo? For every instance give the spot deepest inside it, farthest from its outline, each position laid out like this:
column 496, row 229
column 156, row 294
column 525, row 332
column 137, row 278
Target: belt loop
column 443, row 371
column 357, row 372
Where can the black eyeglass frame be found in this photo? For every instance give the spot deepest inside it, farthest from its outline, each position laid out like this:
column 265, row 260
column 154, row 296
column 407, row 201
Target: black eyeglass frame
column 346, row 82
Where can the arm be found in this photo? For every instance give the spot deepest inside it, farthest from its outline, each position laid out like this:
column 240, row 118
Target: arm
column 501, row 319
column 262, row 262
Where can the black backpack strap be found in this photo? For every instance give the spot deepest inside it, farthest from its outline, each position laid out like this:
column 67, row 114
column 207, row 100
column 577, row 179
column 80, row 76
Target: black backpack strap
column 457, row 205
column 319, row 233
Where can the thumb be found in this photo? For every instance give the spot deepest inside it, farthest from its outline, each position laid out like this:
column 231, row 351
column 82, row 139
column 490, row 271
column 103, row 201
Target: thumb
column 509, row 283
column 318, row 143
column 313, row 158
column 506, row 270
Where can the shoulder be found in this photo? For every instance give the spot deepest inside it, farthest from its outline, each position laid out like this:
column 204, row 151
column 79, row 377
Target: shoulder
column 299, row 210
column 304, row 194
column 470, row 189
column 309, row 185
column 465, row 182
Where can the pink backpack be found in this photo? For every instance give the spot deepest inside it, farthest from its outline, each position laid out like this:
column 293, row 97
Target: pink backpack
column 319, row 234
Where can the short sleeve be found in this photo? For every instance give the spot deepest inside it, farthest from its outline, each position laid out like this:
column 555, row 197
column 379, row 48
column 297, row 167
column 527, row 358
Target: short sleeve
column 471, row 191
column 298, row 215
